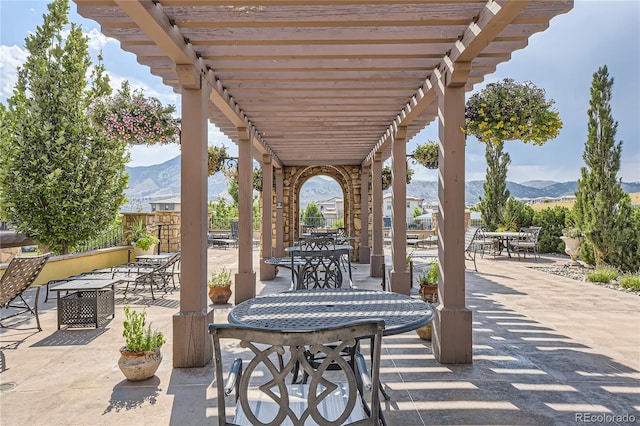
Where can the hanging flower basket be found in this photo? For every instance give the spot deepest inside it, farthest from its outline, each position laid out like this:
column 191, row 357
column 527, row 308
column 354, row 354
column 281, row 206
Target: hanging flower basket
column 215, row 156
column 135, row 119
column 387, row 180
column 509, row 110
column 427, row 155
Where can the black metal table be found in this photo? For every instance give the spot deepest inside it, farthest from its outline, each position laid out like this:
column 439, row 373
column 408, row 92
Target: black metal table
column 313, row 309
column 88, row 303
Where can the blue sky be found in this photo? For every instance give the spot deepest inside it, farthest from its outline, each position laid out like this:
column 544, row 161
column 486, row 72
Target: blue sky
column 560, row 60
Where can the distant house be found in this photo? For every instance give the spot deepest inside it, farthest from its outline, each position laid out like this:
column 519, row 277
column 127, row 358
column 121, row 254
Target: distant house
column 170, row 204
column 332, row 209
column 411, row 203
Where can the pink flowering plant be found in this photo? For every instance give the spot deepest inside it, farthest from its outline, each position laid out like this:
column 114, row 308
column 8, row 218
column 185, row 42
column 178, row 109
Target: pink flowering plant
column 509, row 110
column 135, row 119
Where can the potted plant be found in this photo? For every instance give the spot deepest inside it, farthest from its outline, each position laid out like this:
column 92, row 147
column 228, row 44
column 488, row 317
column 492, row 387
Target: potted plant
column 140, row 357
column 572, row 238
column 143, row 241
column 429, row 293
column 220, row 287
column 427, row 155
column 429, row 282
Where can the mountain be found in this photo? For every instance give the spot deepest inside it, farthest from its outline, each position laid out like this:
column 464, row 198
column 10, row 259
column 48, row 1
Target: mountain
column 161, row 181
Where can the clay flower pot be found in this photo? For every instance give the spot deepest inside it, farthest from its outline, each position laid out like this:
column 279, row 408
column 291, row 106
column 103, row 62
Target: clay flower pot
column 137, row 366
column 219, row 295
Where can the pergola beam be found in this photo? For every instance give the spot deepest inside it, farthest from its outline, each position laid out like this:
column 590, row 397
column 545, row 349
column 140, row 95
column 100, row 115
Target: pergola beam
column 156, row 25
column 493, row 19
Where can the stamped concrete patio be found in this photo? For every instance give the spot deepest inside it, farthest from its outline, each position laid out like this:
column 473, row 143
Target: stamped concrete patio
column 547, row 350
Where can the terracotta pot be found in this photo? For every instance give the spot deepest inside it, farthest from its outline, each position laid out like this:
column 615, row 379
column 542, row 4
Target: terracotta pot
column 428, row 293
column 138, row 366
column 219, row 295
column 425, row 332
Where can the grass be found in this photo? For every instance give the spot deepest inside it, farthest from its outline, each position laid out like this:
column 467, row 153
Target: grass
column 630, row 281
column 603, row 275
column 635, row 200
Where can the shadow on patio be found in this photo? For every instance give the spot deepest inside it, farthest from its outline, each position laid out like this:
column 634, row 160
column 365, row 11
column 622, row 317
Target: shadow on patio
column 547, row 350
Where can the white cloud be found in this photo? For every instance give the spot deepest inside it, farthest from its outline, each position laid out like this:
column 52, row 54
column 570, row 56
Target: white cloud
column 97, row 40
column 11, row 57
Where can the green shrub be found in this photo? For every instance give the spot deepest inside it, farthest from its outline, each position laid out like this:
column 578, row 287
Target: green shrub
column 602, row 275
column 631, row 281
column 518, row 212
column 552, row 220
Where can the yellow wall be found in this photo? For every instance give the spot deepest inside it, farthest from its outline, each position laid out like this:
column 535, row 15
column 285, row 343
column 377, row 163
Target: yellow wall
column 59, row 267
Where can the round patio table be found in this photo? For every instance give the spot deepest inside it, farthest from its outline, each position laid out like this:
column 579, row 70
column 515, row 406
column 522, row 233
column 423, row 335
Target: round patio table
column 313, row 309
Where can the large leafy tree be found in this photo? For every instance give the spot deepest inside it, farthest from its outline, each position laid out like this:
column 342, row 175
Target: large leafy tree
column 502, row 111
column 602, row 209
column 62, row 180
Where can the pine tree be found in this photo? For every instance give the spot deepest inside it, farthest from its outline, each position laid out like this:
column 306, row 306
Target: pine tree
column 62, row 180
column 602, row 209
column 496, row 194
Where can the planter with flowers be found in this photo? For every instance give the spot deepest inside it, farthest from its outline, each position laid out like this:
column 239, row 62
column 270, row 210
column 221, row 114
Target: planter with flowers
column 220, row 287
column 427, row 155
column 143, row 241
column 387, row 177
column 133, row 118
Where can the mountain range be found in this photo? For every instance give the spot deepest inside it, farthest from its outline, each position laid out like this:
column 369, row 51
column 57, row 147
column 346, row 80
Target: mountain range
column 162, row 181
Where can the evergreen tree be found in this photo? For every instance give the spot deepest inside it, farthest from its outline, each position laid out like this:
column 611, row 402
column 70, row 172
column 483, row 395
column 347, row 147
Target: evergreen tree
column 496, row 194
column 62, row 180
column 602, row 209
column 312, row 215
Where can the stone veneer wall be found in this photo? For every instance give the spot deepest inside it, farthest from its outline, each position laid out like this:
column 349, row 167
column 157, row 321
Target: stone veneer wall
column 348, row 177
column 170, row 221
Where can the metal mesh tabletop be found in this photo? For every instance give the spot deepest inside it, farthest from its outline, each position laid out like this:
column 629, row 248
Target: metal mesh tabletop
column 313, row 309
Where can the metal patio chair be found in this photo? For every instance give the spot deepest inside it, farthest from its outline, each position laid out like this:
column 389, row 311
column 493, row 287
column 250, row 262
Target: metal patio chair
column 17, row 278
column 347, row 396
column 529, row 244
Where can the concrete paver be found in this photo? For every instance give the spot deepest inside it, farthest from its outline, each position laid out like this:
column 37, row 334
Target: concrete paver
column 547, row 350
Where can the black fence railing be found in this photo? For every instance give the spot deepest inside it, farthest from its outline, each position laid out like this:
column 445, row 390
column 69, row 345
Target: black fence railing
column 165, row 233
column 224, row 223
column 110, row 238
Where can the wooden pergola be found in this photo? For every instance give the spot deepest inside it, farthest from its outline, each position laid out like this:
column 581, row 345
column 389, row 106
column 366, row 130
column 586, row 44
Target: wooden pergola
column 335, row 83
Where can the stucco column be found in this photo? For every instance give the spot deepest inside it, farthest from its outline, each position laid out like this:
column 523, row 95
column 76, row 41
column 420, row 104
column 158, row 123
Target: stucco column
column 365, row 249
column 399, row 278
column 245, row 279
column 377, row 257
column 192, row 345
column 267, row 272
column 452, row 337
column 279, row 251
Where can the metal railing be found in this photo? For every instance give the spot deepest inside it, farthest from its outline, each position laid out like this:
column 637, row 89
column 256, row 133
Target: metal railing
column 110, row 238
column 224, row 223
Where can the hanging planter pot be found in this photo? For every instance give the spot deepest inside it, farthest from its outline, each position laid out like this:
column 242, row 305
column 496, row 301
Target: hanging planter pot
column 427, row 155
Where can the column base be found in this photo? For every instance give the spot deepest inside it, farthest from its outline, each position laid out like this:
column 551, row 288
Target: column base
column 400, row 282
column 267, row 272
column 452, row 339
column 192, row 346
column 377, row 263
column 245, row 287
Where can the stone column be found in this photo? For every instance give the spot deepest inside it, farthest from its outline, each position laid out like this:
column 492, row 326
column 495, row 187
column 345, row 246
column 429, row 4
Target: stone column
column 245, row 279
column 452, row 323
column 192, row 345
column 399, row 278
column 377, row 257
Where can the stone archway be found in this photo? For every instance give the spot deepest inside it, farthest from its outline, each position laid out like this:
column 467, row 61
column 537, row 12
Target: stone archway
column 348, row 177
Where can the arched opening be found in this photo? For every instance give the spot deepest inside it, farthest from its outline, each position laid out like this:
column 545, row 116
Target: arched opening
column 321, row 201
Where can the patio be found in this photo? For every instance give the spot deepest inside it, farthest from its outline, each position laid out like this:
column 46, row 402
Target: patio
column 546, row 349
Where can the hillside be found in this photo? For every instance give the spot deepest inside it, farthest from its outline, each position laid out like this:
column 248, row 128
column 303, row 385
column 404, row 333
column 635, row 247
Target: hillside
column 161, row 181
